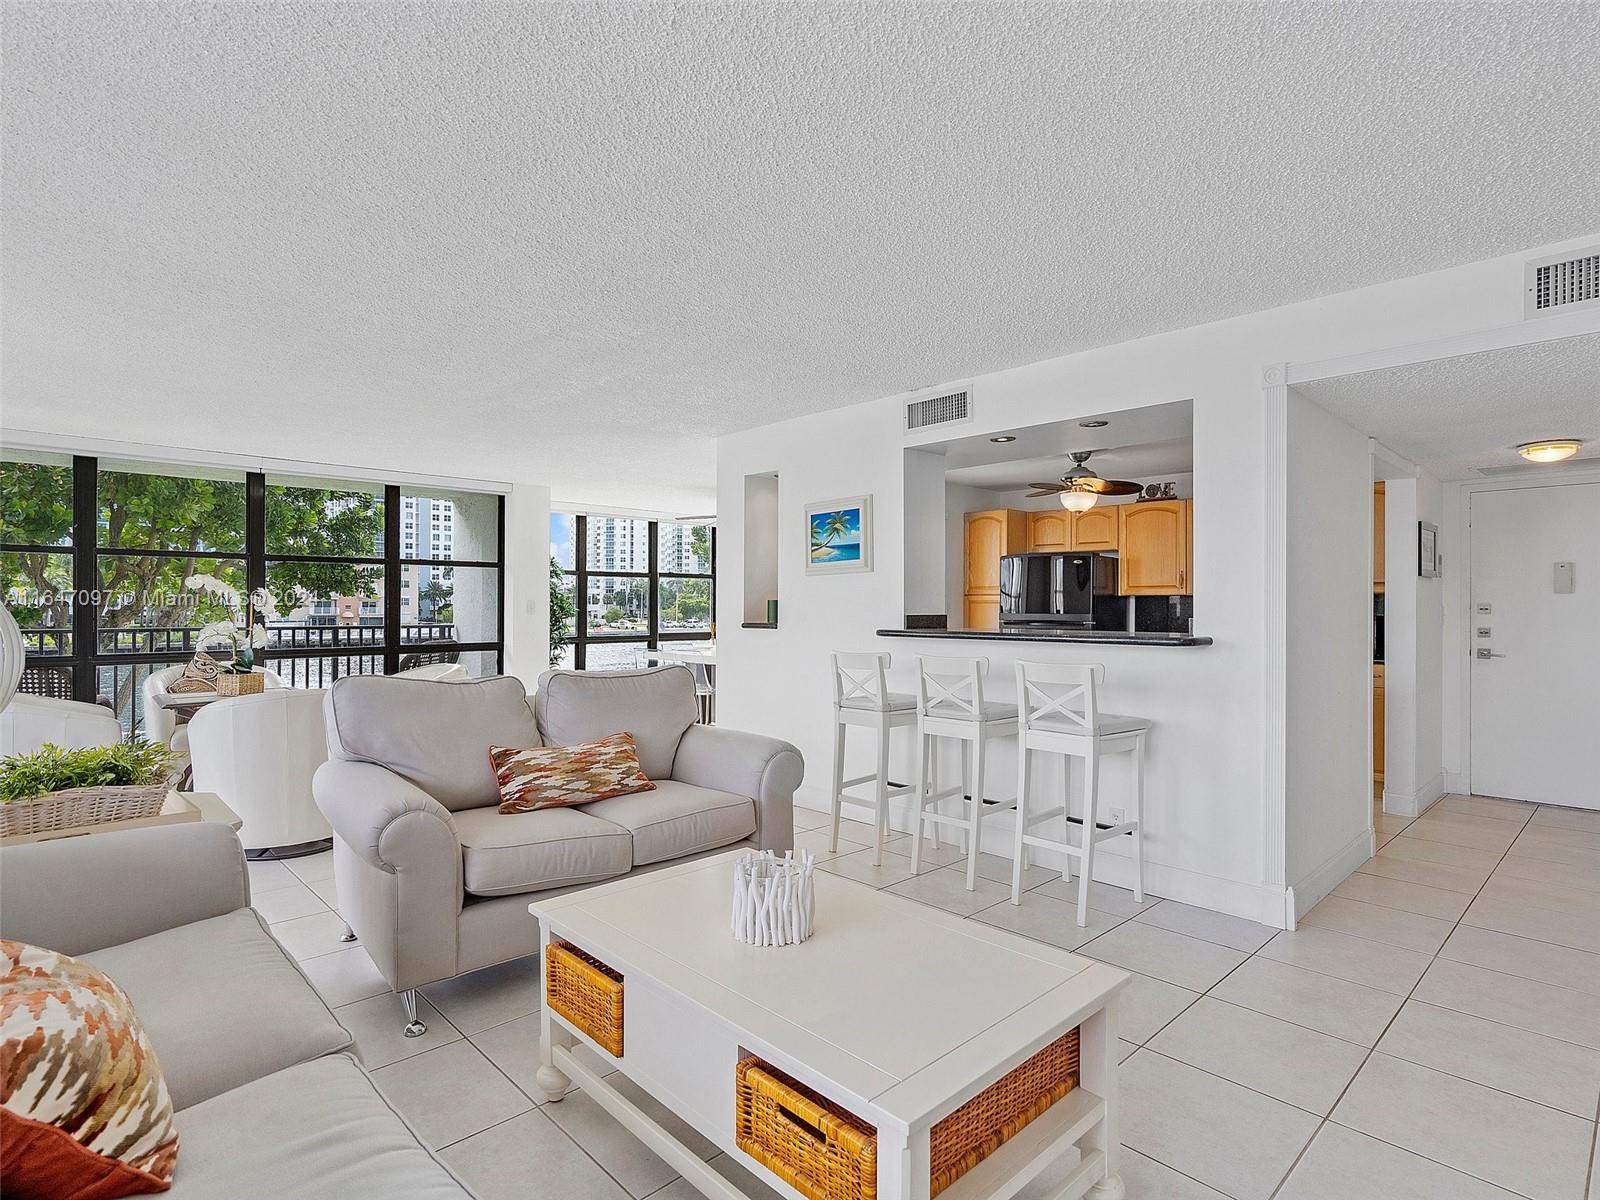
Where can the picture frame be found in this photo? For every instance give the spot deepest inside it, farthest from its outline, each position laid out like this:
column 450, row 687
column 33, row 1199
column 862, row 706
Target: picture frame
column 839, row 536
column 1427, row 550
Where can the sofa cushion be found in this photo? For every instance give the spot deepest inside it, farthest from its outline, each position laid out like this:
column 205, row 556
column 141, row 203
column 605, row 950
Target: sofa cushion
column 678, row 819
column 503, row 854
column 222, row 1002
column 436, row 735
column 83, row 1109
column 318, row 1131
column 656, row 706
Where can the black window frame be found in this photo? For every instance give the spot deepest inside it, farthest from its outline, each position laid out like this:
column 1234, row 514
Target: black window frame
column 86, row 657
column 580, row 573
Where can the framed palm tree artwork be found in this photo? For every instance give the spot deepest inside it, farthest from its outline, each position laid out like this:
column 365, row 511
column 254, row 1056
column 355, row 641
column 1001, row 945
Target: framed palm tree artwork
column 839, row 536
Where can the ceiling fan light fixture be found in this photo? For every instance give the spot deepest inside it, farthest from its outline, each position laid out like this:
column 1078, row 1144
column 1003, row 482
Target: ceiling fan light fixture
column 1550, row 450
column 1076, row 501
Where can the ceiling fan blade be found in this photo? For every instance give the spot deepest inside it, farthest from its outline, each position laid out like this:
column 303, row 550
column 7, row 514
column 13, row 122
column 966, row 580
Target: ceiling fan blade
column 1114, row 487
column 1045, row 489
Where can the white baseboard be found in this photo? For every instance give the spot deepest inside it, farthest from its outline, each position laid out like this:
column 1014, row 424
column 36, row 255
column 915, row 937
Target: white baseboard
column 1339, row 867
column 1455, row 783
column 1414, row 804
column 1253, row 901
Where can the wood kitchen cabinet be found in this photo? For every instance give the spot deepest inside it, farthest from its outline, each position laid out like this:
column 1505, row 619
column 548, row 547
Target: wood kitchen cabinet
column 1153, row 542
column 1097, row 529
column 989, row 536
column 1377, row 724
column 1378, row 549
column 1050, row 530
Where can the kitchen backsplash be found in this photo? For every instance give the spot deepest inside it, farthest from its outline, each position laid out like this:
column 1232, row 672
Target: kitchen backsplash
column 1162, row 614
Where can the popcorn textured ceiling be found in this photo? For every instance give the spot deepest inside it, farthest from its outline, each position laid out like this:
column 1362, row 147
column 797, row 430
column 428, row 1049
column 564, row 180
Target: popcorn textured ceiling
column 573, row 243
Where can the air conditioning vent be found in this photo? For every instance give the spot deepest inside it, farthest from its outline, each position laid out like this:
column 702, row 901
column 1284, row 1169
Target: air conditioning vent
column 944, row 409
column 1565, row 283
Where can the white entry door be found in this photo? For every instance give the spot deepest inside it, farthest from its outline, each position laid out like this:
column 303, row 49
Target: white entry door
column 1536, row 673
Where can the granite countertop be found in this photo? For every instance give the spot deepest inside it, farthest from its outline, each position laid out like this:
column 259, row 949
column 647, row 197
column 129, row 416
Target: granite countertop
column 1099, row 637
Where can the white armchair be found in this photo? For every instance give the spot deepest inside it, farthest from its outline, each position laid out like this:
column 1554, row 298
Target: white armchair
column 161, row 724
column 29, row 722
column 259, row 753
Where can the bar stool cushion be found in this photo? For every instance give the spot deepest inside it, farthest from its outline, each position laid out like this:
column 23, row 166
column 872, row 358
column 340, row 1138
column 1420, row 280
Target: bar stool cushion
column 1110, row 723
column 992, row 711
column 898, row 702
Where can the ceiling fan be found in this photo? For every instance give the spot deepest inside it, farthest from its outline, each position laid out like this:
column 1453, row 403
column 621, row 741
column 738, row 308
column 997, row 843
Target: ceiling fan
column 1080, row 488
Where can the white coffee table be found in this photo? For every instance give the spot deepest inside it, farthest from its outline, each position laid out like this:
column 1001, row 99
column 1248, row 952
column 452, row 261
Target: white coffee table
column 894, row 1010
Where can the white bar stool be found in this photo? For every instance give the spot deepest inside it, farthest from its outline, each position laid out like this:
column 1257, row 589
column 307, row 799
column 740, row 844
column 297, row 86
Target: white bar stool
column 861, row 696
column 951, row 704
column 1058, row 712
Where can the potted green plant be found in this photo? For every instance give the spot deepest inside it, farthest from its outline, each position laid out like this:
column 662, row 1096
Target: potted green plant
column 63, row 789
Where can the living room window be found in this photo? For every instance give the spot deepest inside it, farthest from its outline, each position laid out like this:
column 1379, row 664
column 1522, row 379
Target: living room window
column 634, row 585
column 113, row 568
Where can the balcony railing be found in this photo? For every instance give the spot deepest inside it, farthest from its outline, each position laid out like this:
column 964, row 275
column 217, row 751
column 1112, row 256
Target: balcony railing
column 180, row 640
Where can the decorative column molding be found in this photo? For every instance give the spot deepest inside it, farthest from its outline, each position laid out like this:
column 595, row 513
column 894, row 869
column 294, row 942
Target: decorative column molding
column 1275, row 722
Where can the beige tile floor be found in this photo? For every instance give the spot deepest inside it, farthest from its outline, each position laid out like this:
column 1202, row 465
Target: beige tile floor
column 1431, row 1032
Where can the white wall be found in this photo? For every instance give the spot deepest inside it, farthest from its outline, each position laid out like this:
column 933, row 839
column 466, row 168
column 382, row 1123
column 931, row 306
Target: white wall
column 527, row 651
column 1413, row 770
column 926, row 543
column 1208, row 809
column 760, row 546
column 1329, row 685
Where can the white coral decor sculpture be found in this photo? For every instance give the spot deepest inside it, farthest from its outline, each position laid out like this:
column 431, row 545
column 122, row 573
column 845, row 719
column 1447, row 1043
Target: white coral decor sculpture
column 773, row 898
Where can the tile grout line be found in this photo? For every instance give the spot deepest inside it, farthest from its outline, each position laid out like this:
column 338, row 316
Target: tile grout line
column 1344, row 1091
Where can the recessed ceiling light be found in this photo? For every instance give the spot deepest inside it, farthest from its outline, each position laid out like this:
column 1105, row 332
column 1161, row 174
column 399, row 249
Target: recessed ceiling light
column 1004, row 438
column 1550, row 450
column 1093, row 424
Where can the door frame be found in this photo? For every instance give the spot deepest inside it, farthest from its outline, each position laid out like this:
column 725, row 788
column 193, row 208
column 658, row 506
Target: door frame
column 1458, row 641
column 1276, row 380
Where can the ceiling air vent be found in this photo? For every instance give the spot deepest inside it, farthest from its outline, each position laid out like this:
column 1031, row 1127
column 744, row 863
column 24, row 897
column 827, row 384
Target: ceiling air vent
column 1563, row 283
column 943, row 409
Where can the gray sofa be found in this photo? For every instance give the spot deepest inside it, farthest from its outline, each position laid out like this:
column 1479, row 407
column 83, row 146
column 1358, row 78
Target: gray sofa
column 268, row 1102
column 435, row 880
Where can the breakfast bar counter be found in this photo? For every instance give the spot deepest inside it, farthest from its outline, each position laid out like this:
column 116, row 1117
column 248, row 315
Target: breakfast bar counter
column 1098, row 637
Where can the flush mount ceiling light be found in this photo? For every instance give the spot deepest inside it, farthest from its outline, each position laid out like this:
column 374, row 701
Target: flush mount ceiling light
column 1004, row 438
column 1551, row 450
column 1093, row 424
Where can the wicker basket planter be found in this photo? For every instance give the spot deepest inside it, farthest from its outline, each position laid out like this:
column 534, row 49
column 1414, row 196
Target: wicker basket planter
column 230, row 683
column 586, row 992
column 1001, row 1111
column 82, row 806
column 810, row 1143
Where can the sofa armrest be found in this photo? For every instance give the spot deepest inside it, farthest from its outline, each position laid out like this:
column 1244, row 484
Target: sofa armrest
column 747, row 764
column 81, row 894
column 387, row 821
column 397, row 868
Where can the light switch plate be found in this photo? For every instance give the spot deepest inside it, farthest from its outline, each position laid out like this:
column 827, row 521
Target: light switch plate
column 1565, row 578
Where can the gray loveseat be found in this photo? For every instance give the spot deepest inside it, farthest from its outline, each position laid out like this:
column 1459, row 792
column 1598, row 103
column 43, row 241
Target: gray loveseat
column 269, row 1104
column 435, row 880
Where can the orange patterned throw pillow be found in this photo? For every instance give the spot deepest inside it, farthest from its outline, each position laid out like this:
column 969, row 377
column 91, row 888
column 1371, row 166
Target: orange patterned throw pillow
column 84, row 1112
column 555, row 776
